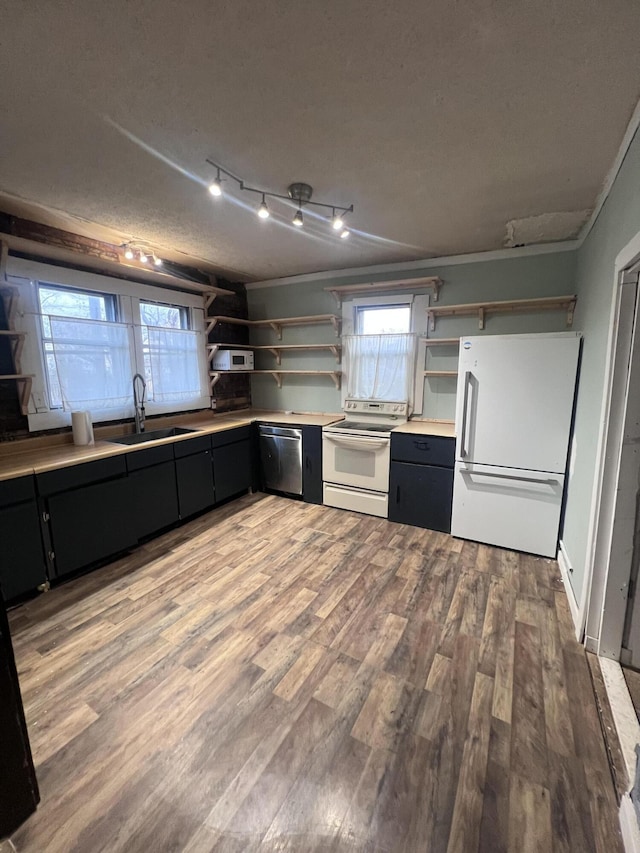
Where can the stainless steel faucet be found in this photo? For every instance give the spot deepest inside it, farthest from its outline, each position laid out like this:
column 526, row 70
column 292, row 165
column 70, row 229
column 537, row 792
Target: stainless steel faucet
column 138, row 401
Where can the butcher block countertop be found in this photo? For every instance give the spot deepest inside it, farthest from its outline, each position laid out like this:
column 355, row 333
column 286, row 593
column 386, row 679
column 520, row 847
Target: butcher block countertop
column 428, row 428
column 47, row 453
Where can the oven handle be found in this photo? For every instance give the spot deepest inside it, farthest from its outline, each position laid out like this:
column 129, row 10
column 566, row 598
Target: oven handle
column 354, row 442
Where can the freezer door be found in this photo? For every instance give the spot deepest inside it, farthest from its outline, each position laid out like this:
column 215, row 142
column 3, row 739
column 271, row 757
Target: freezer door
column 513, row 509
column 515, row 400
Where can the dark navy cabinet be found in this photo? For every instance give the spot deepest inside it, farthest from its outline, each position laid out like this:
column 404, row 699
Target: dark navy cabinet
column 22, row 561
column 421, row 480
column 232, row 462
column 88, row 508
column 312, row 464
column 194, row 475
column 154, row 495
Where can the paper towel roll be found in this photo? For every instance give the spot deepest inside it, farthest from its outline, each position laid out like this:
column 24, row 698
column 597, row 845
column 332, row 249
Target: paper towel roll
column 82, row 428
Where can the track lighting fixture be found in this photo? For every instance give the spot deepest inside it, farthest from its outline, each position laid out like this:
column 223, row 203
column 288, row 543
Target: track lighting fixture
column 136, row 252
column 263, row 210
column 299, row 193
column 215, row 187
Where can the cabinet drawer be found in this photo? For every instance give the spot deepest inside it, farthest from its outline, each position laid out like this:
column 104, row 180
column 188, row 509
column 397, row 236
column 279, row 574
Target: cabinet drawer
column 17, row 491
column 62, row 479
column 192, row 445
column 149, row 456
column 423, row 449
column 229, row 436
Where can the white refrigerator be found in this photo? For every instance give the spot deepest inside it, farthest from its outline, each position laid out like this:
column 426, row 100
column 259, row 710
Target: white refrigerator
column 514, row 411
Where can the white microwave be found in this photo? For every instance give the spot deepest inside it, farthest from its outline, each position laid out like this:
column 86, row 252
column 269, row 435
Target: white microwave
column 233, row 359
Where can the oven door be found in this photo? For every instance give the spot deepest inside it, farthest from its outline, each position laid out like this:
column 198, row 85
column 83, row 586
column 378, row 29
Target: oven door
column 356, row 460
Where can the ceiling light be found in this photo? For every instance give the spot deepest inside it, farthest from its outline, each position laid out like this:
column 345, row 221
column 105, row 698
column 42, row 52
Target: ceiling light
column 143, row 258
column 128, row 253
column 345, row 233
column 157, row 261
column 215, row 187
column 298, row 192
column 263, row 210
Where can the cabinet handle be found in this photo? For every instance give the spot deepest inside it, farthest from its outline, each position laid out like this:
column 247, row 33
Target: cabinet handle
column 421, row 445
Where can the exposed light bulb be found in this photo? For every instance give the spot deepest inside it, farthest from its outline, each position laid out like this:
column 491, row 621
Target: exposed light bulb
column 143, row 258
column 337, row 222
column 215, row 187
column 128, row 253
column 297, row 219
column 157, row 261
column 263, row 210
column 345, row 233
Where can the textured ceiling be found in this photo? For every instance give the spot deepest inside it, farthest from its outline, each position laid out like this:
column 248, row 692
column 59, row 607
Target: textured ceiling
column 440, row 121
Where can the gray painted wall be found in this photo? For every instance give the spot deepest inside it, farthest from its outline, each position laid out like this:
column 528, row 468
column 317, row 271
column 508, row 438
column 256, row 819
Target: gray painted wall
column 509, row 278
column 617, row 224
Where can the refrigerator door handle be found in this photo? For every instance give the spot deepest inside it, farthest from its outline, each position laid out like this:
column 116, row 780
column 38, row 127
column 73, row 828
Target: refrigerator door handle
column 465, row 405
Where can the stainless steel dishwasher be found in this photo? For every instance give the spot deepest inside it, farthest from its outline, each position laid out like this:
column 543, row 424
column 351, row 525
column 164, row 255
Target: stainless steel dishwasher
column 281, row 458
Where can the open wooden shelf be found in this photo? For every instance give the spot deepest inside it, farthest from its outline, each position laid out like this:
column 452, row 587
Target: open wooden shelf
column 549, row 303
column 277, row 350
column 278, row 324
column 17, row 343
column 432, row 283
column 24, row 381
column 440, row 373
column 335, row 375
column 441, row 342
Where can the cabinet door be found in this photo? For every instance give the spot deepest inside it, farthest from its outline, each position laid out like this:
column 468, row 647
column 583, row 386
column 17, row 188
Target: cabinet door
column 421, row 495
column 232, row 469
column 154, row 497
column 22, row 562
column 90, row 524
column 312, row 464
column 194, row 475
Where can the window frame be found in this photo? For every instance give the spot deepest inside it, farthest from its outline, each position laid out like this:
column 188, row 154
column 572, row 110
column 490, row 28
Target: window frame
column 419, row 303
column 28, row 274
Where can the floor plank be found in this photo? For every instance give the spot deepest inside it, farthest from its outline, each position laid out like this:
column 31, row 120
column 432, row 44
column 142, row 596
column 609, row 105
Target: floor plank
column 276, row 675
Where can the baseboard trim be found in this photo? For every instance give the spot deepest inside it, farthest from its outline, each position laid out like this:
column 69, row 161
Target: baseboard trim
column 564, row 564
column 629, row 825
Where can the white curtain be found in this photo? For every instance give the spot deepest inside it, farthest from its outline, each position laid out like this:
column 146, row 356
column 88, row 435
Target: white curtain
column 93, row 363
column 380, row 367
column 173, row 362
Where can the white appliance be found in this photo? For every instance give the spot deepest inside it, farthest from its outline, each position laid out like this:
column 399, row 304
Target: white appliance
column 513, row 422
column 232, row 359
column 355, row 456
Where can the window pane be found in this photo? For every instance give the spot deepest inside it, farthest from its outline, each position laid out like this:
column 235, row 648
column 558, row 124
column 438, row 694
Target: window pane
column 384, row 319
column 163, row 316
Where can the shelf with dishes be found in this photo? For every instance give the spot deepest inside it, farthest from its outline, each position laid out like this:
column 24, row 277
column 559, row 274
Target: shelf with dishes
column 547, row 303
column 336, row 375
column 277, row 349
column 277, row 324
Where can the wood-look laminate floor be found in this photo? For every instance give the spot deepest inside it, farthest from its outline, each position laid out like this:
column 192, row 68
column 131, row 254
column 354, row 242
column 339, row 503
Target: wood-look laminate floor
column 279, row 676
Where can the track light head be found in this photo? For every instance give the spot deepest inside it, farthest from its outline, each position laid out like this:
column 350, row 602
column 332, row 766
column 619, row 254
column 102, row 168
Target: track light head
column 337, row 221
column 157, row 261
column 215, row 187
column 128, row 253
column 263, row 210
column 297, row 219
column 344, row 234
column 143, row 257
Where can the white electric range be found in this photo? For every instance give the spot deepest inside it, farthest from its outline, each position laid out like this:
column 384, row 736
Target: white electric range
column 355, row 455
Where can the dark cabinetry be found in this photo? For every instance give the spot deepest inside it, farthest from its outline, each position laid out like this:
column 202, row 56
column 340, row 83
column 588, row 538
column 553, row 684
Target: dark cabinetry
column 152, row 484
column 194, row 475
column 232, row 457
column 89, row 512
column 22, row 561
column 312, row 464
column 421, row 480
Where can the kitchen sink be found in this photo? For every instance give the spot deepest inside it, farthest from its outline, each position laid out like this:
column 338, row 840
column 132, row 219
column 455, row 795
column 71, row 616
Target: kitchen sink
column 150, row 435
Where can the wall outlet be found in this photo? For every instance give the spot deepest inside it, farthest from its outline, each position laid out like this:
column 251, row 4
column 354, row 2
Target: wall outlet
column 214, row 403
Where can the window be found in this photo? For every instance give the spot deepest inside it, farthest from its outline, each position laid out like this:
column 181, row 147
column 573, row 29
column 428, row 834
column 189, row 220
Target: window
column 383, row 319
column 170, row 352
column 380, row 356
column 79, row 347
column 87, row 334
